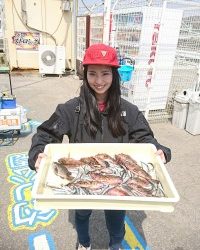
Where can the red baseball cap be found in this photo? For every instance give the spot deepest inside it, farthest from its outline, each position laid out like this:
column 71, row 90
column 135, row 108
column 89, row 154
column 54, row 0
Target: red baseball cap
column 101, row 54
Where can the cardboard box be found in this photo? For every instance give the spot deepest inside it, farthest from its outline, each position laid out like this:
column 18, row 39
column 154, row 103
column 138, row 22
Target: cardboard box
column 10, row 119
column 45, row 198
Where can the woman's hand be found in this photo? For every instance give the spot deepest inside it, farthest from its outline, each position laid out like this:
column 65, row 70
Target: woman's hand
column 38, row 161
column 161, row 154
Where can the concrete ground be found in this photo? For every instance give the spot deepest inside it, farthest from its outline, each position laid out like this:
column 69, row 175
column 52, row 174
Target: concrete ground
column 178, row 230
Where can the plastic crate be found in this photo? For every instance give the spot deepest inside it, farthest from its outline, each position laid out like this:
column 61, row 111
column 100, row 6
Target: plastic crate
column 145, row 152
column 10, row 119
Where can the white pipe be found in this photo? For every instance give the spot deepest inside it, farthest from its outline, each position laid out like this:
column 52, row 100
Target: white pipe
column 116, row 2
column 184, row 2
column 197, row 87
column 112, row 33
column 106, row 25
column 74, row 34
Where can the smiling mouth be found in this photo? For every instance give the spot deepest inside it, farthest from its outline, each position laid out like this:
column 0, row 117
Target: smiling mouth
column 99, row 87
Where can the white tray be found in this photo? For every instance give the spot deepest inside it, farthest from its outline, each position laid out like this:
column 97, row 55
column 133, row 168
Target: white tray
column 45, row 198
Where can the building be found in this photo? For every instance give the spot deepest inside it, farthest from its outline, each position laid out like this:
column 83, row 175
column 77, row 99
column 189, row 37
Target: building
column 29, row 24
column 1, row 27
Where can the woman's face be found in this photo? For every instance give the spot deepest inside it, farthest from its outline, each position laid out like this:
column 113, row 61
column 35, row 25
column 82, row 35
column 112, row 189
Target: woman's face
column 100, row 79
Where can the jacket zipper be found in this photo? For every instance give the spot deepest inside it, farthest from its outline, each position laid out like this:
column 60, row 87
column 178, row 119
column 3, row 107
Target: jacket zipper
column 102, row 128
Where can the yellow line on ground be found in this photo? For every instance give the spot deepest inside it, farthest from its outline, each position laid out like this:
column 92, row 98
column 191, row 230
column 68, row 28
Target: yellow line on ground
column 131, row 239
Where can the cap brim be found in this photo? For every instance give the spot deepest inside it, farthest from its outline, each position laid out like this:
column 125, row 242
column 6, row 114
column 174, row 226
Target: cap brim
column 100, row 63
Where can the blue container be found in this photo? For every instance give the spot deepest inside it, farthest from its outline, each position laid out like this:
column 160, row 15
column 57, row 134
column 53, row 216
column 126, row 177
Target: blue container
column 125, row 72
column 8, row 103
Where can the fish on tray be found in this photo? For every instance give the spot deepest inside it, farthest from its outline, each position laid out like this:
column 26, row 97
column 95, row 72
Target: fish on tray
column 102, row 174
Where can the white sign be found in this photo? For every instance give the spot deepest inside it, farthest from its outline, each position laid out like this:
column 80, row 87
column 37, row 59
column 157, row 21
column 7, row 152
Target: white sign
column 156, row 56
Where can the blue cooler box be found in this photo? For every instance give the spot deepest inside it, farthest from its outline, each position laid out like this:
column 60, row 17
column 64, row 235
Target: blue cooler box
column 8, row 102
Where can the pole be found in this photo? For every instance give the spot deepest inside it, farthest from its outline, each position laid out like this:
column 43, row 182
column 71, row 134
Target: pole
column 74, row 33
column 116, row 2
column 112, row 33
column 106, row 25
column 197, row 88
column 11, row 92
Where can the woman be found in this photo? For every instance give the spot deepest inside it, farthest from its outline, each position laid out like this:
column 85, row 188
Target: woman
column 98, row 115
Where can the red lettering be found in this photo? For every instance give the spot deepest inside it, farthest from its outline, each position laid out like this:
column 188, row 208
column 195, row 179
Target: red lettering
column 152, row 54
column 151, row 60
column 153, row 48
column 150, row 71
column 148, row 82
column 154, row 38
column 157, row 26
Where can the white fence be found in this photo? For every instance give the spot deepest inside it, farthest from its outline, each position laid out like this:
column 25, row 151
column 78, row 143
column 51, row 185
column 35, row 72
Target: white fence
column 164, row 41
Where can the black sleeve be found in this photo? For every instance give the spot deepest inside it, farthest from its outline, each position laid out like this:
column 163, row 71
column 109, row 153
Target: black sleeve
column 140, row 132
column 50, row 131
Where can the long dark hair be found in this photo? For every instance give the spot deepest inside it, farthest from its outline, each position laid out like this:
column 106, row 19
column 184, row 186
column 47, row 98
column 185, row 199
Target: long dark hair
column 92, row 117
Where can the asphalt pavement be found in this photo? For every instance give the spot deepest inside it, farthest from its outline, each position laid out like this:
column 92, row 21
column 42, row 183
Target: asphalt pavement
column 20, row 226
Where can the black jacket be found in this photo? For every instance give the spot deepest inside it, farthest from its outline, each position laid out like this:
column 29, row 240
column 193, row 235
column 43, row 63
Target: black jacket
column 68, row 120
